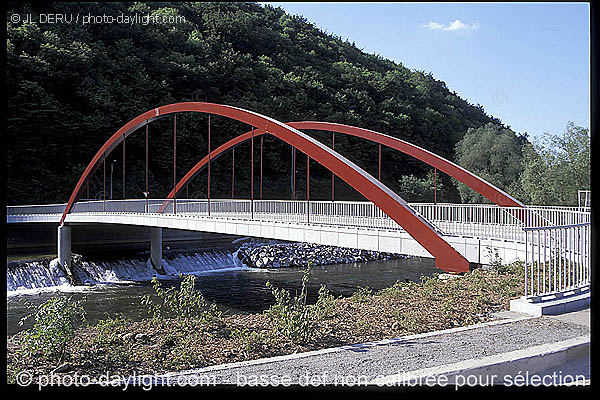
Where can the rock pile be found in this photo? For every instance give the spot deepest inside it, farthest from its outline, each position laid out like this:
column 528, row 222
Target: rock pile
column 299, row 254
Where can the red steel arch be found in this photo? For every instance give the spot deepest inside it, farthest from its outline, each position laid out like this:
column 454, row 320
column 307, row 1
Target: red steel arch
column 476, row 183
column 393, row 205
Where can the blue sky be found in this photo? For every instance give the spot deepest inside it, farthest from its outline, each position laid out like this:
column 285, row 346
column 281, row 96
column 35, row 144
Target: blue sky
column 525, row 63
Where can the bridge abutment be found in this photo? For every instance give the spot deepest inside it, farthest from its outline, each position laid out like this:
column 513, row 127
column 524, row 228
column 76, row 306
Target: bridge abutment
column 156, row 249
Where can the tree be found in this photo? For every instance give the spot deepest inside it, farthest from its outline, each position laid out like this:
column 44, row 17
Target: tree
column 421, row 190
column 494, row 153
column 556, row 167
column 71, row 86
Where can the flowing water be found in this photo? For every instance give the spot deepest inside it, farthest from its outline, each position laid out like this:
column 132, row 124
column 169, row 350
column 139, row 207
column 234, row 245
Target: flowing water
column 113, row 286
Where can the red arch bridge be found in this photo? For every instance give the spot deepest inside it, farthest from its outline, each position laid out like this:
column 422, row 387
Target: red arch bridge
column 454, row 234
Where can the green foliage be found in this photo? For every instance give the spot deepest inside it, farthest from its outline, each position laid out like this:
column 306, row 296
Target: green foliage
column 421, row 190
column 293, row 315
column 397, row 289
column 556, row 167
column 493, row 153
column 295, row 319
column 54, row 328
column 252, row 341
column 185, row 303
column 494, row 257
column 409, row 320
column 71, row 86
column 361, row 295
column 108, row 329
column 325, row 306
column 114, row 351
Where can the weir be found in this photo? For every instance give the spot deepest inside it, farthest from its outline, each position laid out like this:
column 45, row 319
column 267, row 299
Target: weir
column 28, row 276
column 64, row 249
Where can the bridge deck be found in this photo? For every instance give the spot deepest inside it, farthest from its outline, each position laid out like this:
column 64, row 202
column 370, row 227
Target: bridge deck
column 472, row 230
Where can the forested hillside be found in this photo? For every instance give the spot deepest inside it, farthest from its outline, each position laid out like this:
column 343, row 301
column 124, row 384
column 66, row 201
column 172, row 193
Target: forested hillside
column 71, row 86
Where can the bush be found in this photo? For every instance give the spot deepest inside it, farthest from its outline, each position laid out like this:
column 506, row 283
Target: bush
column 291, row 312
column 295, row 319
column 362, row 295
column 251, row 341
column 185, row 303
column 326, row 304
column 54, row 328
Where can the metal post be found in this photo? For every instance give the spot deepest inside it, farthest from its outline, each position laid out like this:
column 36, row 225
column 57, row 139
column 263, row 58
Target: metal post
column 146, row 156
column 104, row 182
column 435, row 186
column 307, row 188
column 112, row 167
column 559, row 245
column 252, row 174
column 553, row 258
column 293, row 173
column 123, row 173
column 526, row 260
column 174, row 163
column 379, row 162
column 233, row 173
column 332, row 174
column 539, row 259
column 545, row 259
column 261, row 168
column 208, row 190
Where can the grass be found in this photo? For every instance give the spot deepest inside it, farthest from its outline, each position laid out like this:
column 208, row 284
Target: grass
column 175, row 343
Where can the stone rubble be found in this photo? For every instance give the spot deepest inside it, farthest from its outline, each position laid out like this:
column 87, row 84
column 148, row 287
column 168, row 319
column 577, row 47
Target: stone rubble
column 281, row 255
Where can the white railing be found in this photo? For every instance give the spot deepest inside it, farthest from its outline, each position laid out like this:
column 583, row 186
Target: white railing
column 36, row 209
column 557, row 239
column 492, row 221
column 557, row 259
column 339, row 213
column 476, row 220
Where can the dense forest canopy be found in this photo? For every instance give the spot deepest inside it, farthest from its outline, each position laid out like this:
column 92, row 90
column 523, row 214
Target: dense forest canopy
column 70, row 86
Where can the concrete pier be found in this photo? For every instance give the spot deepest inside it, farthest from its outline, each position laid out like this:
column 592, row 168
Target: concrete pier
column 156, row 249
column 64, row 246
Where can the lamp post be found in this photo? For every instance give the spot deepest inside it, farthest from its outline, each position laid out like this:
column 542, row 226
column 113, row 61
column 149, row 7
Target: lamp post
column 112, row 166
column 146, row 196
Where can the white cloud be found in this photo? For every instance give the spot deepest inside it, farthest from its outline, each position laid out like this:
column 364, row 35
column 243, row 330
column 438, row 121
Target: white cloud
column 455, row 26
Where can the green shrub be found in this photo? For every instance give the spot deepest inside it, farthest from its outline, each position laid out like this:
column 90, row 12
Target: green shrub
column 54, row 328
column 293, row 316
column 495, row 259
column 325, row 305
column 185, row 303
column 252, row 341
column 107, row 329
column 362, row 295
column 295, row 319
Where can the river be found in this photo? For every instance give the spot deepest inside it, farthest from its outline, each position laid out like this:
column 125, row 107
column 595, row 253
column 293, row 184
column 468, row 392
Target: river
column 116, row 284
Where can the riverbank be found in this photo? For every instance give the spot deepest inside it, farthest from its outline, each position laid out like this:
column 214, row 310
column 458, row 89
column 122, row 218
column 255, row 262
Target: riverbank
column 160, row 345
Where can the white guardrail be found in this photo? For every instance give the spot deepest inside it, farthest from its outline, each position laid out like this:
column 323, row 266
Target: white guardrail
column 557, row 259
column 479, row 220
column 557, row 239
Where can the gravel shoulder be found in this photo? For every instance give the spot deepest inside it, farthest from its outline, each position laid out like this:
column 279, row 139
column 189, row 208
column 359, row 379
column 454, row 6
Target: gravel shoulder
column 358, row 364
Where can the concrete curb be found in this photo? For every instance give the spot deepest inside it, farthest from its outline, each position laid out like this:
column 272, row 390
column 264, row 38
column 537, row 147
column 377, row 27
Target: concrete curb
column 513, row 368
column 578, row 300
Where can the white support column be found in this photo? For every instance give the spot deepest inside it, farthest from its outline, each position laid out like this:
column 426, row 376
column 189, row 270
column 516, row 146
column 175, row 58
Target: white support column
column 156, row 249
column 64, row 246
